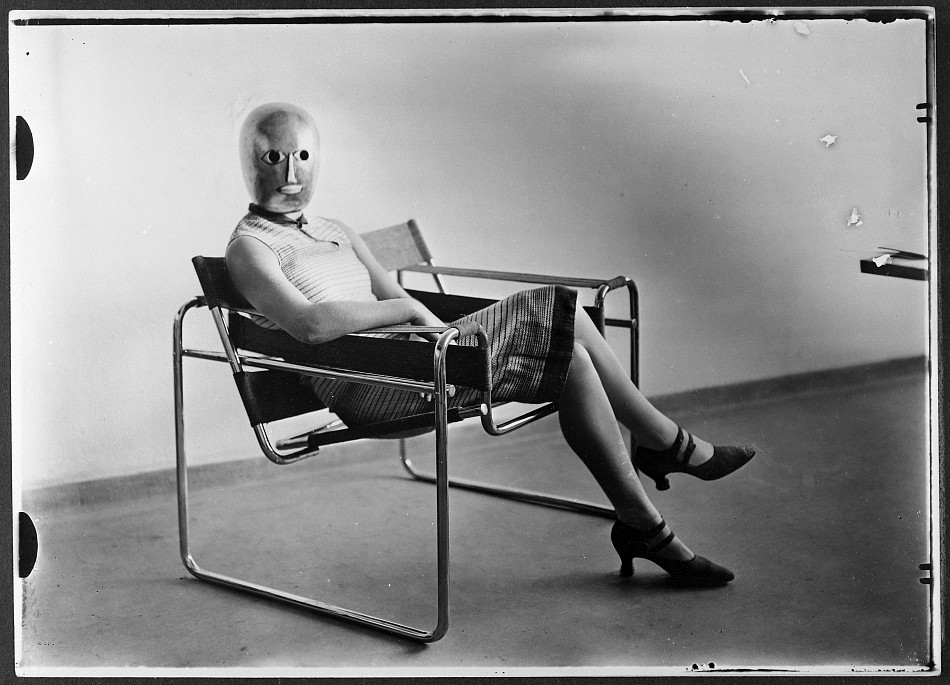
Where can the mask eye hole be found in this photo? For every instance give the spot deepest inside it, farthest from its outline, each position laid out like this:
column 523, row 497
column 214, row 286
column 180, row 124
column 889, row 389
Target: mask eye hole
column 302, row 155
column 273, row 157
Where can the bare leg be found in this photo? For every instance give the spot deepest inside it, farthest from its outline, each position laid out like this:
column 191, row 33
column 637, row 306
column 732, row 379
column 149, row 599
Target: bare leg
column 650, row 427
column 591, row 431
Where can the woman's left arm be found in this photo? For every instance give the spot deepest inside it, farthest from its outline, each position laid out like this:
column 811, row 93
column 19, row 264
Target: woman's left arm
column 385, row 286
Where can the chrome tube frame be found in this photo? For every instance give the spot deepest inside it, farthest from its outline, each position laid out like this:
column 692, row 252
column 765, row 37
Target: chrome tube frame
column 603, row 288
column 440, row 392
column 259, row 362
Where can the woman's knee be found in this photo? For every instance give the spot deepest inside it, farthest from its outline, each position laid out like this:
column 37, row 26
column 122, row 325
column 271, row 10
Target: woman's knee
column 584, row 329
column 582, row 366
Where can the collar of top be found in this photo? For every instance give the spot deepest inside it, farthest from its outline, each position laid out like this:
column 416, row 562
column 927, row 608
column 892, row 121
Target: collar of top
column 277, row 217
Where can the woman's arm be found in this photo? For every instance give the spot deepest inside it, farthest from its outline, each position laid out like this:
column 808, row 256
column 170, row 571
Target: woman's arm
column 256, row 273
column 385, row 287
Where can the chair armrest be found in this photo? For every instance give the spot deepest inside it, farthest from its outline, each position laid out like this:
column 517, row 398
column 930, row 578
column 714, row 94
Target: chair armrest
column 464, row 328
column 467, row 365
column 540, row 279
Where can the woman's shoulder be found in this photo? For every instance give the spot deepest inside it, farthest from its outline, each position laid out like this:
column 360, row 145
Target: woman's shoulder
column 254, row 230
column 251, row 224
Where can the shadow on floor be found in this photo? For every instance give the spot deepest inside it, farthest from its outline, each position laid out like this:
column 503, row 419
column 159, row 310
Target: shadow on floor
column 825, row 530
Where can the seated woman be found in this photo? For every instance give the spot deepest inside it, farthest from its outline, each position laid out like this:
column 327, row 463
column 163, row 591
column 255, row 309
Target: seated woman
column 317, row 280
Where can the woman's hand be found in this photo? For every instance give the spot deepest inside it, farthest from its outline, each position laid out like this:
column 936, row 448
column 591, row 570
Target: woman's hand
column 422, row 316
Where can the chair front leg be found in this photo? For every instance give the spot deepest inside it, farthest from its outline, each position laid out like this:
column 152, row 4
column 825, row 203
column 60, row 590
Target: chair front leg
column 385, row 625
column 440, row 399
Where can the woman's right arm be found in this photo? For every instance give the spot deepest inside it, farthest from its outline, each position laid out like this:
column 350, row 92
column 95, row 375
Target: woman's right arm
column 256, row 273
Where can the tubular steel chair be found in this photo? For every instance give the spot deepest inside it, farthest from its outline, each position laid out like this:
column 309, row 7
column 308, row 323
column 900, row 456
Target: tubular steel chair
column 266, row 366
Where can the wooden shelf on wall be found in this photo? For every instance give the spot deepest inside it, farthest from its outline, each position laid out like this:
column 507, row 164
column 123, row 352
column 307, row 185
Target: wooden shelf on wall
column 896, row 268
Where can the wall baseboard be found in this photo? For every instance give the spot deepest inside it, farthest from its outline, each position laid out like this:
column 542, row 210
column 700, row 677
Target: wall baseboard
column 162, row 482
column 737, row 394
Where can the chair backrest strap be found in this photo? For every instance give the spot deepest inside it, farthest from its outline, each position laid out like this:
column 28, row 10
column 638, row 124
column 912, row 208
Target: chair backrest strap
column 399, row 246
column 218, row 289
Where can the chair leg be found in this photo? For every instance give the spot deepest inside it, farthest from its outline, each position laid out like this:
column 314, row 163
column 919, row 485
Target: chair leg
column 376, row 622
column 540, row 498
column 517, row 494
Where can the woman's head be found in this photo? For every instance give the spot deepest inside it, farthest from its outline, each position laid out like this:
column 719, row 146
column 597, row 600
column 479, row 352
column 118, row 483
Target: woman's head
column 280, row 152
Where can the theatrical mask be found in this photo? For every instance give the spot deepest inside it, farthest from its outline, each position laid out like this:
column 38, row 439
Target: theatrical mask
column 280, row 150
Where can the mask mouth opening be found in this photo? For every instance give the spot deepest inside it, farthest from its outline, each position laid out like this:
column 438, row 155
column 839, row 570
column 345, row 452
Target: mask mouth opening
column 290, row 189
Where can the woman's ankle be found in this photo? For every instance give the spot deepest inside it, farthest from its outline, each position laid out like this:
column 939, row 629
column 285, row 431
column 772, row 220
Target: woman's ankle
column 660, row 438
column 640, row 520
column 675, row 549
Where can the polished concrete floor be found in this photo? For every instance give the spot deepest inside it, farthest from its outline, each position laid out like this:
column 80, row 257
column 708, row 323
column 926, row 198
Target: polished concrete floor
column 824, row 530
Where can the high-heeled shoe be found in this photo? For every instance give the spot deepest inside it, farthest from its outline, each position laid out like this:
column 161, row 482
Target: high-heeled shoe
column 631, row 543
column 658, row 464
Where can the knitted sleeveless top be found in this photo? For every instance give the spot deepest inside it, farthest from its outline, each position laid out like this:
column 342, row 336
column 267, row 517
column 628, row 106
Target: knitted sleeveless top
column 315, row 256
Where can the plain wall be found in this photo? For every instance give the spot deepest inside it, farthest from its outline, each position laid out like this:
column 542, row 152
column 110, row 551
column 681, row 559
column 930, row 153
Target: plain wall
column 684, row 154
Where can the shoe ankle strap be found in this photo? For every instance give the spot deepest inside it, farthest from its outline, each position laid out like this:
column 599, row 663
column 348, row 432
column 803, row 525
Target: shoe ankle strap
column 688, row 452
column 658, row 537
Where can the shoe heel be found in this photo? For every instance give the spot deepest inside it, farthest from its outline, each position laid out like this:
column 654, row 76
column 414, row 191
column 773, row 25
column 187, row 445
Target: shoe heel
column 622, row 547
column 658, row 477
column 657, row 464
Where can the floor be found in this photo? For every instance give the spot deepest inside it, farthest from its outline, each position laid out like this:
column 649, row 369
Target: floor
column 824, row 530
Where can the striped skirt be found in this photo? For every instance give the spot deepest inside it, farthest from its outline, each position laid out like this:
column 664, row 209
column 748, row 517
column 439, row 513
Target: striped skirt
column 532, row 342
